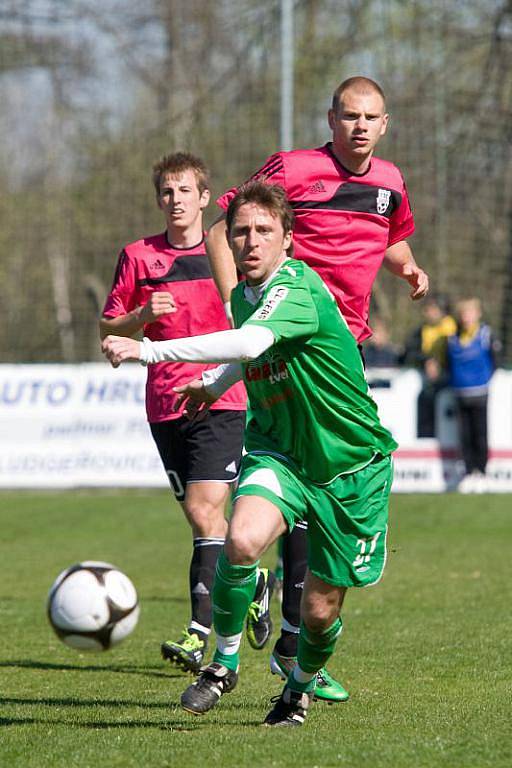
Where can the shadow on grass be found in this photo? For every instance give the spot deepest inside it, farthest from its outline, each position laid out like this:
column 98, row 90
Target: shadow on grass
column 117, row 668
column 171, row 725
column 95, row 725
column 162, row 599
column 76, row 702
column 180, row 722
column 176, row 720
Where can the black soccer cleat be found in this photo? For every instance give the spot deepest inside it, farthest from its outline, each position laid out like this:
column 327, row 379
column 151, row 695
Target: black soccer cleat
column 327, row 688
column 259, row 623
column 212, row 683
column 290, row 708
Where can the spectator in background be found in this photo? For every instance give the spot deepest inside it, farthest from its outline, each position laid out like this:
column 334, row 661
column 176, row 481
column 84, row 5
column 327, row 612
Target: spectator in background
column 379, row 352
column 471, row 361
column 425, row 350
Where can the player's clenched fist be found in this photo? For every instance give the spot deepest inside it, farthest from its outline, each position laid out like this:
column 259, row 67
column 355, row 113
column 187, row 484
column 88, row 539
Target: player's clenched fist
column 119, row 349
column 159, row 303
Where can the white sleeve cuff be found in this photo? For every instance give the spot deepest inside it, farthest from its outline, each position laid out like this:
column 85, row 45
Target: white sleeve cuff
column 218, row 380
column 227, row 310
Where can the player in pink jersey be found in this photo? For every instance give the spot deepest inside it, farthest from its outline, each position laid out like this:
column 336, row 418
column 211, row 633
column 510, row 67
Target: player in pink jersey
column 163, row 286
column 352, row 215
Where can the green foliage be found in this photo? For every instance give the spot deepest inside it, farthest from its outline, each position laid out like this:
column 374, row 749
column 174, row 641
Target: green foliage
column 424, row 654
column 205, row 77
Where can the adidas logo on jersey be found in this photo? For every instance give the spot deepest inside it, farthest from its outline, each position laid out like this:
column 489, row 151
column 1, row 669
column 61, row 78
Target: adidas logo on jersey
column 316, row 188
column 157, row 265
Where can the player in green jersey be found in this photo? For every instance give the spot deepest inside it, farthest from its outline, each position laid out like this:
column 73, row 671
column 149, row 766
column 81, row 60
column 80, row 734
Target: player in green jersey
column 315, row 445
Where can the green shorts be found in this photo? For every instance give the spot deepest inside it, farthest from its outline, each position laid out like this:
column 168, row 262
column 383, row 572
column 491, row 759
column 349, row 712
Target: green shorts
column 347, row 519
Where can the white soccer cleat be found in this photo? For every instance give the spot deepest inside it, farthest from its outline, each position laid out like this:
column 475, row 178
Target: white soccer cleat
column 476, row 482
column 480, row 484
column 466, row 485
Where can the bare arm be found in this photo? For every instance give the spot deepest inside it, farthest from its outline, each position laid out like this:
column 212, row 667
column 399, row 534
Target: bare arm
column 124, row 325
column 159, row 303
column 400, row 262
column 221, row 260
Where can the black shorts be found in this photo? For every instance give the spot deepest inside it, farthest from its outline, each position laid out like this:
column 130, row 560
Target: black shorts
column 193, row 451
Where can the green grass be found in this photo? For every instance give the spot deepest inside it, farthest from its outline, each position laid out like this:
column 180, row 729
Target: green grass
column 425, row 654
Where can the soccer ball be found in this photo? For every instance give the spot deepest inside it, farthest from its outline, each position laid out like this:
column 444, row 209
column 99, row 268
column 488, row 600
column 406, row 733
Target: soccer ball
column 92, row 606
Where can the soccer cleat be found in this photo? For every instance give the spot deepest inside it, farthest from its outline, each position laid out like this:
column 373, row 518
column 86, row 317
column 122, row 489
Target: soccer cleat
column 203, row 695
column 259, row 623
column 290, row 708
column 467, row 484
column 281, row 665
column 476, row 482
column 187, row 653
column 327, row 688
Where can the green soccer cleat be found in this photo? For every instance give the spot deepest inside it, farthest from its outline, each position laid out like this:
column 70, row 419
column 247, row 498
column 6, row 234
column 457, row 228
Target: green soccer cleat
column 187, row 654
column 259, row 623
column 327, row 688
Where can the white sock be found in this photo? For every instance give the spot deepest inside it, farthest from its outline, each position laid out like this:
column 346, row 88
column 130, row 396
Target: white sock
column 302, row 677
column 229, row 645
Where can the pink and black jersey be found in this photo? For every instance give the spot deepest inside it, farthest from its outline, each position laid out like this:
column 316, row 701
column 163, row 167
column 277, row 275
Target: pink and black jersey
column 151, row 265
column 344, row 221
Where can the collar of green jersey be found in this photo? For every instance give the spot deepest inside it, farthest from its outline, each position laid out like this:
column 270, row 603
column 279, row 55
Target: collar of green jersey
column 253, row 293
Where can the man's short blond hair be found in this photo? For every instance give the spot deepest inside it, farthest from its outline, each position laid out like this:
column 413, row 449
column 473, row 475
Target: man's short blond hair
column 359, row 84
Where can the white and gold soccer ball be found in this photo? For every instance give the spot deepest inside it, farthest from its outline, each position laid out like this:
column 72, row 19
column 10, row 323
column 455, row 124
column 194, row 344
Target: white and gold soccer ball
column 92, row 606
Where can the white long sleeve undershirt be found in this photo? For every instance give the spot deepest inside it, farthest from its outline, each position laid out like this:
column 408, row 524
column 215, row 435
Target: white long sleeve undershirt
column 218, row 380
column 232, row 346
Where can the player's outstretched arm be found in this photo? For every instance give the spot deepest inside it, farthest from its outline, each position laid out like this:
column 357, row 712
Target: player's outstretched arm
column 400, row 261
column 242, row 344
column 221, row 261
column 121, row 349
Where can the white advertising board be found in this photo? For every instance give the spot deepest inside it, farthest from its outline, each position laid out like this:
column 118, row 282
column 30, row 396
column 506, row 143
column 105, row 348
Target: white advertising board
column 65, row 426
column 68, row 426
column 430, row 465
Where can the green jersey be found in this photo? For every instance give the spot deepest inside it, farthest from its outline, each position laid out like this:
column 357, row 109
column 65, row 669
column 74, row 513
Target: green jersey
column 308, row 397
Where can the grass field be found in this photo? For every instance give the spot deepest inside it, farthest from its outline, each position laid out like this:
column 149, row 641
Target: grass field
column 426, row 654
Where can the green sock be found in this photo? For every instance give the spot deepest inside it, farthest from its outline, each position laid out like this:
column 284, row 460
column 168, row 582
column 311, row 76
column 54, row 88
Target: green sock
column 233, row 591
column 314, row 649
column 305, row 687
